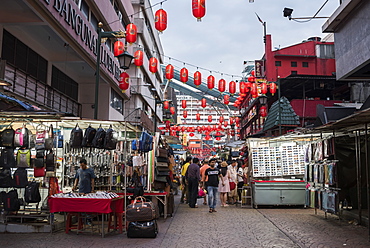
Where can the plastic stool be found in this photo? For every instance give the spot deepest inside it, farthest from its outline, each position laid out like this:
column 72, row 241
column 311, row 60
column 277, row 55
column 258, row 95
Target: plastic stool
column 118, row 219
column 70, row 225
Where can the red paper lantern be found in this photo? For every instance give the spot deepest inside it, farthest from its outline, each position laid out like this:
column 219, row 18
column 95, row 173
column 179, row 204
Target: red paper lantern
column 183, row 104
column 242, row 88
column 183, row 129
column 232, row 132
column 221, row 85
column 168, row 124
column 232, row 87
column 160, row 20
column 210, row 82
column 153, row 62
column 252, row 73
column 184, row 75
column 185, row 114
column 138, row 58
column 263, row 88
column 197, row 116
column 251, row 79
column 226, row 99
column 191, row 134
column 272, row 88
column 172, row 110
column 199, row 129
column 263, row 111
column 131, row 33
column 237, row 120
column 199, row 9
column 210, row 118
column 166, row 105
column 203, row 102
column 218, row 138
column 124, row 81
column 254, row 89
column 119, row 48
column 197, row 78
column 232, row 121
column 247, row 86
column 221, row 119
column 226, row 123
column 169, row 71
column 208, row 137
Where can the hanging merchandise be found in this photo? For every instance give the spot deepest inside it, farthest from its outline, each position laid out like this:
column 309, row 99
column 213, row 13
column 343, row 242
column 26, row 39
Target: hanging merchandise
column 32, row 193
column 160, row 20
column 7, row 137
column 185, row 114
column 232, row 87
column 20, row 178
column 7, row 159
column 153, row 65
column 184, row 75
column 98, row 141
column 197, row 117
column 146, row 142
column 221, row 85
column 172, row 110
column 203, row 102
column 76, row 137
column 124, row 81
column 88, row 137
column 210, row 82
column 131, row 33
column 272, row 88
column 197, row 78
column 49, row 141
column 226, row 99
column 119, row 48
column 24, row 158
column 6, row 180
column 199, row 9
column 183, row 104
column 169, row 71
column 21, row 137
column 139, row 58
column 110, row 142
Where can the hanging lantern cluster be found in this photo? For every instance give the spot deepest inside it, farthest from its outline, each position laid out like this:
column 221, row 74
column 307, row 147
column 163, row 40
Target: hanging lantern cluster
column 160, row 20
column 199, row 9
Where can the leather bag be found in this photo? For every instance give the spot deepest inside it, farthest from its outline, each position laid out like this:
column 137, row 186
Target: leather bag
column 141, row 211
column 145, row 229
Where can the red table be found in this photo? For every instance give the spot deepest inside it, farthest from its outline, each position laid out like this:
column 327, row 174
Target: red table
column 87, row 205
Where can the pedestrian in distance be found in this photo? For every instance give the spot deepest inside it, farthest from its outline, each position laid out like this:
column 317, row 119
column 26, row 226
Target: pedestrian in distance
column 193, row 179
column 224, row 188
column 85, row 178
column 214, row 176
column 184, row 168
column 233, row 194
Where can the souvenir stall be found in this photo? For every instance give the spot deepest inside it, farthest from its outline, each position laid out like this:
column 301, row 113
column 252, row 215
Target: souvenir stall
column 277, row 172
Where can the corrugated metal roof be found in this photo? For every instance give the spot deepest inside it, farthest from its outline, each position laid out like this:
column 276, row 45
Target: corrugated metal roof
column 288, row 116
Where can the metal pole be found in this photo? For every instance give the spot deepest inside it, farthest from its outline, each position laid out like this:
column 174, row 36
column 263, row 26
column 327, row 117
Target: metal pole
column 264, row 32
column 358, row 167
column 97, row 72
column 125, row 163
column 367, row 178
column 279, row 96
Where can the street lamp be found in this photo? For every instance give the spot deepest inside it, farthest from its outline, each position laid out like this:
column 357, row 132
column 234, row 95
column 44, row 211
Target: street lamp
column 124, row 59
column 263, row 99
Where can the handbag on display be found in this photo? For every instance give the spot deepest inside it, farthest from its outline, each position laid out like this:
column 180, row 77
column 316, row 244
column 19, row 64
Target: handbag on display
column 24, row 158
column 39, row 172
column 49, row 141
column 7, row 137
column 21, row 137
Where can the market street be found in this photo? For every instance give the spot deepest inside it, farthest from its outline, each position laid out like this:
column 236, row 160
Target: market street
column 229, row 227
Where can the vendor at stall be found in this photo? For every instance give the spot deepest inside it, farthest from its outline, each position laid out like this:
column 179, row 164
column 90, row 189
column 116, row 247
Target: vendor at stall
column 85, row 178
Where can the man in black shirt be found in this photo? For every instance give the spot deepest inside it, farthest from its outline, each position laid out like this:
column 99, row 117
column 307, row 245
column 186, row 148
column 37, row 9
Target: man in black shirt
column 212, row 184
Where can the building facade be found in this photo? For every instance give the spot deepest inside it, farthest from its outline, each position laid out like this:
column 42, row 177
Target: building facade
column 49, row 55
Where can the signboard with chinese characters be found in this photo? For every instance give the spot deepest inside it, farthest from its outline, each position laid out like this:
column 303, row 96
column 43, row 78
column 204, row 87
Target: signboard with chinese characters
column 258, row 65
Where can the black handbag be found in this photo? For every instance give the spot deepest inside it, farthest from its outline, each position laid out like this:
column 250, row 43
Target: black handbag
column 49, row 142
column 141, row 211
column 142, row 229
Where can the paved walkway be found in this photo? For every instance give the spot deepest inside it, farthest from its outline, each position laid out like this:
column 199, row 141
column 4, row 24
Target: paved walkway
column 229, row 227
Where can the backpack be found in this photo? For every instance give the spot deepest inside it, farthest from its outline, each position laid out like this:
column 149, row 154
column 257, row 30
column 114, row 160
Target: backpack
column 11, row 201
column 24, row 158
column 58, row 140
column 88, row 137
column 7, row 137
column 76, row 137
column 32, row 193
column 146, row 142
column 6, row 179
column 50, row 159
column 98, row 141
column 21, row 137
column 134, row 145
column 7, row 159
column 20, row 178
column 110, row 142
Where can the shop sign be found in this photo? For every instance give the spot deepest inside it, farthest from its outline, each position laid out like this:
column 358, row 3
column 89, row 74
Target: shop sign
column 258, row 64
column 73, row 20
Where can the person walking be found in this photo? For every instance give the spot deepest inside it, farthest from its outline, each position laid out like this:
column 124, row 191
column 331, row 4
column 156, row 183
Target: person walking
column 184, row 168
column 203, row 169
column 233, row 194
column 193, row 178
column 85, row 178
column 224, row 189
column 240, row 176
column 213, row 175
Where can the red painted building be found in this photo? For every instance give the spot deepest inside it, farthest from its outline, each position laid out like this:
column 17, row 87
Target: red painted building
column 307, row 78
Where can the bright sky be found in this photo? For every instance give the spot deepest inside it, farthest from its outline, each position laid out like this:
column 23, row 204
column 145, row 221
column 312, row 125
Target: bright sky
column 230, row 32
